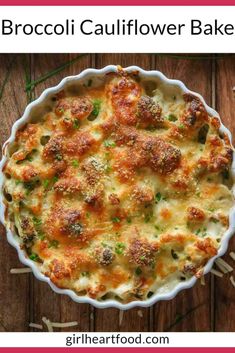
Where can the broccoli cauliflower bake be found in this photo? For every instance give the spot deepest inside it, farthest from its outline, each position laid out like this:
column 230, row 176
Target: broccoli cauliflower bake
column 120, row 190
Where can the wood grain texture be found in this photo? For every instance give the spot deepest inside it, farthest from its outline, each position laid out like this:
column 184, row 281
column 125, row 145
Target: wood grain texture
column 23, row 298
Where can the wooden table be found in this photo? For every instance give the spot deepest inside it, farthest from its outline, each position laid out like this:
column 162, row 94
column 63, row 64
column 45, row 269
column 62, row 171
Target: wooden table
column 23, row 299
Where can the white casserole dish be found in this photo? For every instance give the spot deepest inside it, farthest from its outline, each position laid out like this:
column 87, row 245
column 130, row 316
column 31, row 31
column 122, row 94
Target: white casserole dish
column 40, row 103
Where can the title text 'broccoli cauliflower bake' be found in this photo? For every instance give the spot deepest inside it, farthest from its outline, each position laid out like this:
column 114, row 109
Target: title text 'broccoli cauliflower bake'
column 120, row 190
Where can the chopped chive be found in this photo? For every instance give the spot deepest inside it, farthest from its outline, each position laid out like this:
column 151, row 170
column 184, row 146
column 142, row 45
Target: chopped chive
column 46, row 183
column 211, row 209
column 75, row 163
column 54, row 244
column 119, row 248
column 55, row 179
column 109, row 143
column 116, row 220
column 138, row 271
column 34, row 257
column 37, row 221
column 172, row 117
column 148, row 217
column 76, row 124
column 158, row 197
column 96, row 107
column 85, row 274
column 41, row 235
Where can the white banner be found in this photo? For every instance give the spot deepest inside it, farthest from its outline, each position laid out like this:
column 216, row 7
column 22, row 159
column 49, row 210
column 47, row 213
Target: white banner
column 117, row 339
column 117, row 29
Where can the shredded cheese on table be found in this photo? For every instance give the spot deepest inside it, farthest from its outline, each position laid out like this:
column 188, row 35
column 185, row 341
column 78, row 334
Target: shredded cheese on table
column 15, row 271
column 216, row 273
column 232, row 254
column 223, row 265
column 50, row 325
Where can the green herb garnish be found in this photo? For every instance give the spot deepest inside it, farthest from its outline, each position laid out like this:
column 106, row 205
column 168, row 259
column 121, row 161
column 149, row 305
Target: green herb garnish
column 119, row 248
column 37, row 221
column 76, row 124
column 172, row 117
column 96, row 107
column 34, row 257
column 138, row 271
column 174, row 254
column 108, row 168
column 158, row 197
column 53, row 244
column 46, row 183
column 211, row 209
column 109, row 143
column 55, row 179
column 116, row 220
column 75, row 163
column 148, row 217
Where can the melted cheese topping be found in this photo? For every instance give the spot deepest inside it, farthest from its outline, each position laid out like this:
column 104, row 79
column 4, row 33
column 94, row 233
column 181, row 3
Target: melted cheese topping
column 120, row 190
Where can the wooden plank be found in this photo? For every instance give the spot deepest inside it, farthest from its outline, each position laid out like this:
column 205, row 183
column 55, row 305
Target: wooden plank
column 14, row 306
column 46, row 302
column 224, row 291
column 185, row 312
column 112, row 319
